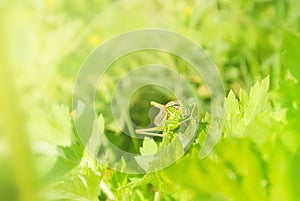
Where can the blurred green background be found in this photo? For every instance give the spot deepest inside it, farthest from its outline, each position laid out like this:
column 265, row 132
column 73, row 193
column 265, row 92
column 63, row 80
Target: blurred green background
column 43, row 45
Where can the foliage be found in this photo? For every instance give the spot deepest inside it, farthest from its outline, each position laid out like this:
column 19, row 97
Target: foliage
column 255, row 45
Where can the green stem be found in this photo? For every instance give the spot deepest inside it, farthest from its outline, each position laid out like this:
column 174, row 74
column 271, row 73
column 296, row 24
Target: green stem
column 128, row 123
column 157, row 196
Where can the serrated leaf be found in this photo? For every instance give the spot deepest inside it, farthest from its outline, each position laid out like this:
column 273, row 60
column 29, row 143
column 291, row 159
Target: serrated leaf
column 257, row 100
column 231, row 103
column 52, row 126
column 149, row 146
column 244, row 99
column 81, row 184
column 168, row 155
column 158, row 179
column 68, row 158
column 241, row 113
column 60, row 121
column 232, row 111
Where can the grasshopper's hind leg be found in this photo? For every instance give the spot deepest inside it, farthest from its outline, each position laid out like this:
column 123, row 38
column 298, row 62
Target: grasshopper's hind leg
column 150, row 131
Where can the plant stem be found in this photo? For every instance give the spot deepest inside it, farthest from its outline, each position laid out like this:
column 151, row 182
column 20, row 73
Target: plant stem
column 128, row 123
column 157, row 196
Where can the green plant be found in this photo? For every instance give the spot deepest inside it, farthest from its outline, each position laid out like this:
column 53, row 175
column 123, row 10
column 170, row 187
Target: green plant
column 43, row 44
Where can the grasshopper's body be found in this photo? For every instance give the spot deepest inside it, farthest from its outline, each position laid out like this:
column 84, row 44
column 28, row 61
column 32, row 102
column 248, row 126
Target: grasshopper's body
column 167, row 120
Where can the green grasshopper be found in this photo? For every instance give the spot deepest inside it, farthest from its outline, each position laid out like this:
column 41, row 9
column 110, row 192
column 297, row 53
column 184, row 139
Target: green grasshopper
column 167, row 120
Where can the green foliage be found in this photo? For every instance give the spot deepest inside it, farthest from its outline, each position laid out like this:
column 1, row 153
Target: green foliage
column 291, row 53
column 67, row 159
column 81, row 184
column 291, row 100
column 44, row 43
column 149, row 146
column 241, row 113
column 227, row 174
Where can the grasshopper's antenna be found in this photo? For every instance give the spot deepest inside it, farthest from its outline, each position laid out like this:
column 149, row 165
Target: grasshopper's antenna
column 157, row 105
column 179, row 88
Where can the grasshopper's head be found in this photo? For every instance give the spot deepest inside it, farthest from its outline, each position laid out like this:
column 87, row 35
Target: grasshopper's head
column 173, row 105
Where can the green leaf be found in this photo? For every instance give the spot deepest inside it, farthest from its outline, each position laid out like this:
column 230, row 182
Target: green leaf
column 244, row 99
column 60, row 121
column 232, row 111
column 290, row 88
column 243, row 112
column 81, row 184
column 68, row 158
column 158, row 179
column 205, row 179
column 52, row 126
column 149, row 146
column 257, row 100
column 291, row 55
column 294, row 176
column 94, row 141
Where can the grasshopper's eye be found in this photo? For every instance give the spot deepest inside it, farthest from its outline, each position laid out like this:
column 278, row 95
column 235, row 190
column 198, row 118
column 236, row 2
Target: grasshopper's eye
column 176, row 106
